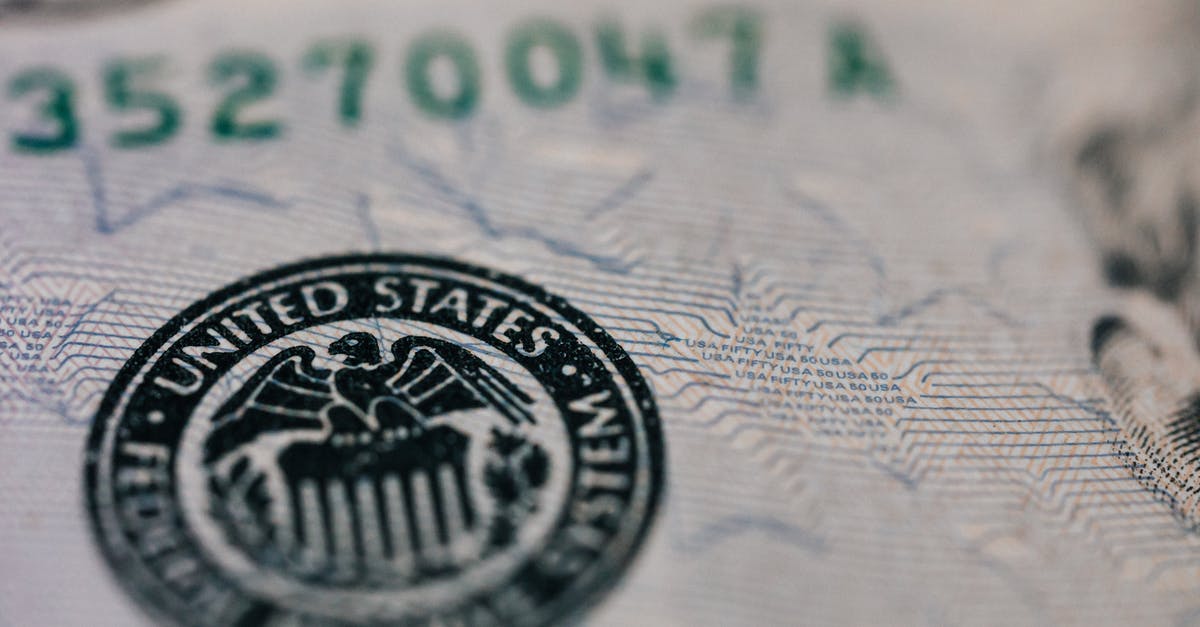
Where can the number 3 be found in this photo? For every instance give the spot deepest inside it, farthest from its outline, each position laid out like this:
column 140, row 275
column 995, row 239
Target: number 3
column 57, row 109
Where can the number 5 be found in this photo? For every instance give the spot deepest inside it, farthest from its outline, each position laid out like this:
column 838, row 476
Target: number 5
column 123, row 96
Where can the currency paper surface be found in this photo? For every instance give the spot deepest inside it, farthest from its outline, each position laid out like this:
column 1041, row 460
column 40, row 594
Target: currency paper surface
column 670, row 313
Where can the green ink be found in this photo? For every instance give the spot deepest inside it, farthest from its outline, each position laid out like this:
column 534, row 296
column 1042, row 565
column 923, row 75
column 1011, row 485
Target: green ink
column 568, row 56
column 743, row 27
column 855, row 63
column 654, row 66
column 356, row 57
column 457, row 50
column 57, row 109
column 121, row 95
column 259, row 77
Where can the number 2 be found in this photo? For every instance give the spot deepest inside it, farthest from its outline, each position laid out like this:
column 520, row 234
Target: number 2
column 258, row 79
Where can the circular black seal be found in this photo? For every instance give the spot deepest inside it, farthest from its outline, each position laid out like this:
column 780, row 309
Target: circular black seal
column 374, row 439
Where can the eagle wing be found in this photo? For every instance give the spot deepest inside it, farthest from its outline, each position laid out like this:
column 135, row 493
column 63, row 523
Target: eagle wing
column 437, row 377
column 285, row 394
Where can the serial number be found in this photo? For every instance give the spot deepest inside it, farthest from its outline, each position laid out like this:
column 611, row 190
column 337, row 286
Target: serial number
column 243, row 78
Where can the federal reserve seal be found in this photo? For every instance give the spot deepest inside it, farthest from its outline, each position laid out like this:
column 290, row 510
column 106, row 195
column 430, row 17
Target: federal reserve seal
column 374, row 439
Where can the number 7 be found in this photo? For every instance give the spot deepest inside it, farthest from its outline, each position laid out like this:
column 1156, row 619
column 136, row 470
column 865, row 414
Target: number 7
column 357, row 57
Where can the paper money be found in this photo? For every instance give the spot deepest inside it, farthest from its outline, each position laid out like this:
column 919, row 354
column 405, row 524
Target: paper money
column 617, row 313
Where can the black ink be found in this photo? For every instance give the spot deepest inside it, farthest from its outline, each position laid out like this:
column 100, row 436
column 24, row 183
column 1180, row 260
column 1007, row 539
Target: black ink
column 365, row 470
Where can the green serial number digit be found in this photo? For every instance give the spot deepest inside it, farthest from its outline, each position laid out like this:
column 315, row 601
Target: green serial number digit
column 561, row 43
column 455, row 49
column 855, row 63
column 258, row 78
column 122, row 94
column 57, row 109
column 653, row 66
column 357, row 58
column 743, row 28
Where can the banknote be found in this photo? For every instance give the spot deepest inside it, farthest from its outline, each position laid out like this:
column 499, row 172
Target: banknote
column 616, row 313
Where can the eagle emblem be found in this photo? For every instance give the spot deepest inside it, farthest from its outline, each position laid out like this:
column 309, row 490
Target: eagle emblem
column 405, row 466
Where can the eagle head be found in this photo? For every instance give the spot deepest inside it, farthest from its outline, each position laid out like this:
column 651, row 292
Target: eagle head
column 358, row 347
